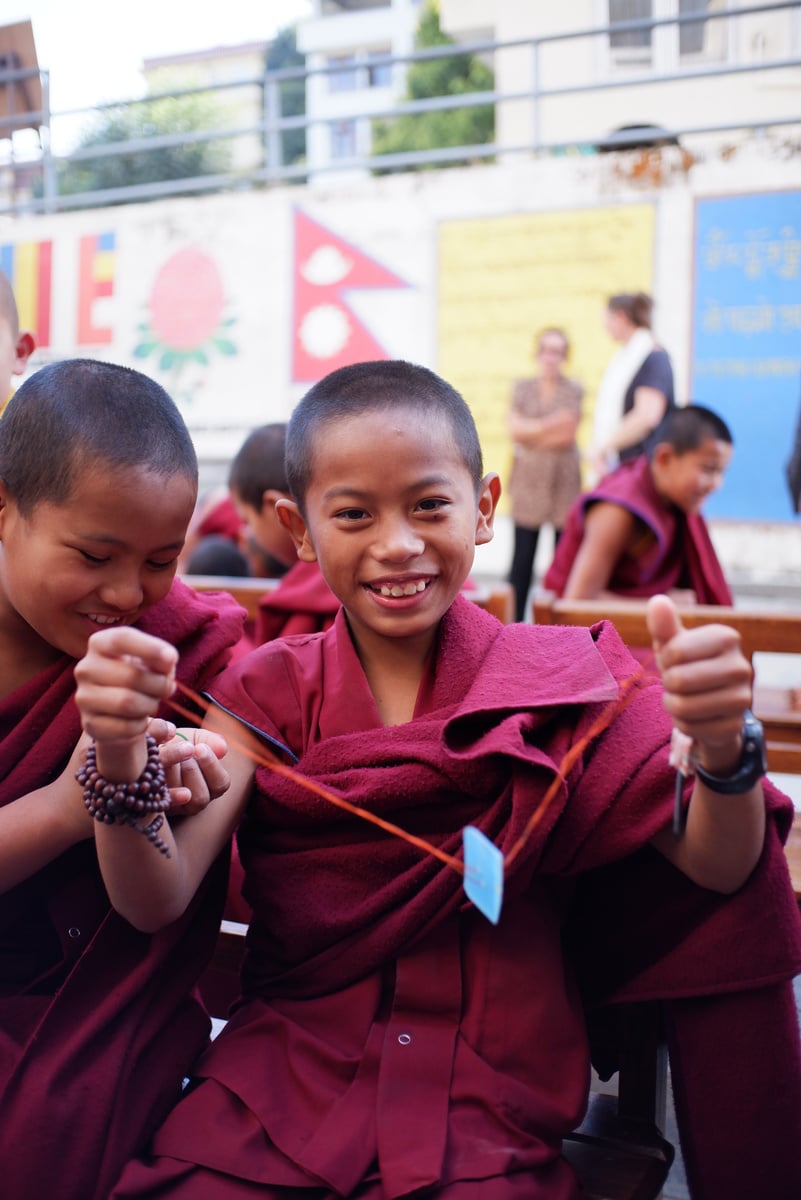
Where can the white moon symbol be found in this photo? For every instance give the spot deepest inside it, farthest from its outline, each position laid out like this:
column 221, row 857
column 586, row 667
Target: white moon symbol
column 326, row 265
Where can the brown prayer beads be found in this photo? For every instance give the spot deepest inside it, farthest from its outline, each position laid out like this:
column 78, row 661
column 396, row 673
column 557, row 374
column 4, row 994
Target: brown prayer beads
column 127, row 803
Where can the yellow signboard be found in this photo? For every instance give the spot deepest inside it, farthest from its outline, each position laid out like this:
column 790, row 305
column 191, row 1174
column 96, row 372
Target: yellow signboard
column 501, row 279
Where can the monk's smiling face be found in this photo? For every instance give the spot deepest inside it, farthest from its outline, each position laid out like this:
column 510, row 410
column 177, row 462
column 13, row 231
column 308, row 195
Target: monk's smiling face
column 393, row 518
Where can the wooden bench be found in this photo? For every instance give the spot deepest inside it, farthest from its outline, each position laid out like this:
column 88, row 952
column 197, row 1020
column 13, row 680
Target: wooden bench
column 779, row 709
column 495, row 596
column 246, row 591
column 761, row 632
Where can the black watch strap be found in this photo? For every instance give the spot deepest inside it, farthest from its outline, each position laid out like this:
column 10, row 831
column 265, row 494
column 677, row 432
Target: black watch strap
column 753, row 762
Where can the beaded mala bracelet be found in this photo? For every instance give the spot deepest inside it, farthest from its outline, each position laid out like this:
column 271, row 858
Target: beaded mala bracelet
column 126, row 803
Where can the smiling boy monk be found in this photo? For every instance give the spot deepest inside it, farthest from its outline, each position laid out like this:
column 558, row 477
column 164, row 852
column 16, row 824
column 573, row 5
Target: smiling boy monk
column 391, row 1041
column 640, row 531
column 98, row 479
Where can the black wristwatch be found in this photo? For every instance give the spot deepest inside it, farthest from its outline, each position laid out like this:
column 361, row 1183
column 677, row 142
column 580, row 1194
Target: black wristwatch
column 753, row 763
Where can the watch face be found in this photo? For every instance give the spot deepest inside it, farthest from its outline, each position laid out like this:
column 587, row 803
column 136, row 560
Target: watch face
column 754, row 741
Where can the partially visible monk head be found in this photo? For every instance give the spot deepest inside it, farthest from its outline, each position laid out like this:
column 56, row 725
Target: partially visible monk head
column 689, row 452
column 385, row 386
column 256, row 479
column 80, row 415
column 98, row 482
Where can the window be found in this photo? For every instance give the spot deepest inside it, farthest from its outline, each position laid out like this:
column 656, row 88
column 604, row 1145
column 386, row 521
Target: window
column 379, row 74
column 343, row 139
column 360, row 70
column 705, row 40
column 630, row 46
column 345, row 79
column 667, row 47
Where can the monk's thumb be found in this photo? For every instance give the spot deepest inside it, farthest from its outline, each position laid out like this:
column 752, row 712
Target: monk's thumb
column 663, row 620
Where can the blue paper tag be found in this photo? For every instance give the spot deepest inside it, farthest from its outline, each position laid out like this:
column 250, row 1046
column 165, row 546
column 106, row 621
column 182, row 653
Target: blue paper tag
column 483, row 873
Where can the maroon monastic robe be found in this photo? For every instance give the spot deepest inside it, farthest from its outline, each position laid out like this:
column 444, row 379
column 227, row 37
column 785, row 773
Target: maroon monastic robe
column 395, row 1030
column 98, row 1024
column 681, row 556
column 302, row 602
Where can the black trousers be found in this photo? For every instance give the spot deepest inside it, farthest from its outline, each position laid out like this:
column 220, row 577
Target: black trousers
column 522, row 568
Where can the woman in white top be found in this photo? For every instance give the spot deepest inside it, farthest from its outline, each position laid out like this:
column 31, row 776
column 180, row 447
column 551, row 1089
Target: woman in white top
column 637, row 387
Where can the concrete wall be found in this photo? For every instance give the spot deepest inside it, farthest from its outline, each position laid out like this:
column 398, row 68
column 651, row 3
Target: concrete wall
column 236, row 302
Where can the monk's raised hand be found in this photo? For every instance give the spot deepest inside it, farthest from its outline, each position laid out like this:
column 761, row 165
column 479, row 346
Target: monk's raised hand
column 706, row 677
column 121, row 680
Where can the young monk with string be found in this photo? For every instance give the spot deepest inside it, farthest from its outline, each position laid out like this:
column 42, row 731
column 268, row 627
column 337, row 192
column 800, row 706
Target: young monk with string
column 442, row 807
column 98, row 1024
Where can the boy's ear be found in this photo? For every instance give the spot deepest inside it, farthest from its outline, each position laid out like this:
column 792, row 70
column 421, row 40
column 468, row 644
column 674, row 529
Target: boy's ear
column 24, row 348
column 663, row 454
column 488, row 497
column 3, row 503
column 292, row 519
column 268, row 499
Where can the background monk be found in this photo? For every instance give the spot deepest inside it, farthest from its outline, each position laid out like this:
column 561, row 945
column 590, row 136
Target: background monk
column 98, row 1026
column 302, row 602
column 391, row 1040
column 640, row 531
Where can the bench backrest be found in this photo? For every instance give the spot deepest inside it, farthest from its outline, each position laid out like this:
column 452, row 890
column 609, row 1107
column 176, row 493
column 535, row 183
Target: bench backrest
column 776, row 632
column 495, row 596
column 761, row 632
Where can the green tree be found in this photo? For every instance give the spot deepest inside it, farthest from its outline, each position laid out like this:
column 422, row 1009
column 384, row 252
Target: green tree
column 282, row 54
column 458, row 75
column 184, row 114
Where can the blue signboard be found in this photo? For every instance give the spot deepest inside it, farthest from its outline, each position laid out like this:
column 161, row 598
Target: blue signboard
column 746, row 361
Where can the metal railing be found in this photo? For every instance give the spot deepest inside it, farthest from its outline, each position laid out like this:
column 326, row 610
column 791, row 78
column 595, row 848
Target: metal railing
column 268, row 127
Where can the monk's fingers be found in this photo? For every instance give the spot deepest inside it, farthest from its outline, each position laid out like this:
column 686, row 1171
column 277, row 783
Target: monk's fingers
column 113, row 713
column 712, row 716
column 163, row 731
column 124, row 641
column 694, row 656
column 198, row 779
column 180, row 743
column 96, row 673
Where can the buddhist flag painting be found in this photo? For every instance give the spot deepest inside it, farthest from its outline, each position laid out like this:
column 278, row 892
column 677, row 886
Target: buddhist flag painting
column 95, row 284
column 29, row 267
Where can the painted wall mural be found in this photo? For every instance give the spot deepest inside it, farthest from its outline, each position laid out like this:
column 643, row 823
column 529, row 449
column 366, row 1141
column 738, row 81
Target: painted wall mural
column 236, row 303
column 187, row 320
column 746, row 347
column 328, row 333
column 95, row 282
column 29, row 266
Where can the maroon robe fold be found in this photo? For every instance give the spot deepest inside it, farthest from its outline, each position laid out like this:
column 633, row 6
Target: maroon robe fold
column 302, row 602
column 395, row 1028
column 98, row 1024
column 682, row 556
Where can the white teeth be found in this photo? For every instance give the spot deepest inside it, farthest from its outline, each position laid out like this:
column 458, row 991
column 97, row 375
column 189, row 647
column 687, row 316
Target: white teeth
column 407, row 589
column 102, row 620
